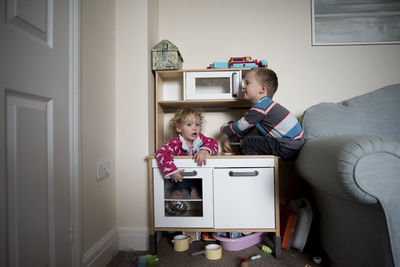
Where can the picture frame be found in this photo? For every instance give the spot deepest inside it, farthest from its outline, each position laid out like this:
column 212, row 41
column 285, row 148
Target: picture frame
column 355, row 22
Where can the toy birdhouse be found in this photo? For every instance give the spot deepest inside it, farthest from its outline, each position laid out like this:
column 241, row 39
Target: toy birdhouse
column 166, row 56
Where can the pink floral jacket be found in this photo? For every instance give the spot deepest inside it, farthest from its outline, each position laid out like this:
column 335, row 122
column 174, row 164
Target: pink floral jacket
column 177, row 147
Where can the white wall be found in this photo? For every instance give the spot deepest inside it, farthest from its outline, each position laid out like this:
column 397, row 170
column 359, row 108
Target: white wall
column 98, row 124
column 137, row 25
column 280, row 32
column 207, row 31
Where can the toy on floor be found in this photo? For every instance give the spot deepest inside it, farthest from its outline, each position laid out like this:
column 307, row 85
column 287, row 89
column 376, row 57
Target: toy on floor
column 147, row 260
column 244, row 263
column 266, row 249
column 235, row 244
column 253, row 258
column 212, row 252
column 207, row 236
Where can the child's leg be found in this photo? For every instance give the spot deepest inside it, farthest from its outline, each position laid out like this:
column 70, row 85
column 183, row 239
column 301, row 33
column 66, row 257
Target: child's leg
column 194, row 192
column 176, row 194
column 289, row 149
column 285, row 148
column 259, row 145
column 178, row 187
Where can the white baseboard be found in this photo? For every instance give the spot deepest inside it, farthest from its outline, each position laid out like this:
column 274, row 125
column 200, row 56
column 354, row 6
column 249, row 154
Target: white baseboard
column 102, row 252
column 133, row 238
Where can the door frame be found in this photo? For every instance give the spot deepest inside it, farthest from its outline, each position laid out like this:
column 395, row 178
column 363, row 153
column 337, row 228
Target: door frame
column 74, row 135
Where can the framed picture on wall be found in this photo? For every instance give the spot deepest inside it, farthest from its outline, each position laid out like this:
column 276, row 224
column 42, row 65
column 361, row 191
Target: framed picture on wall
column 352, row 22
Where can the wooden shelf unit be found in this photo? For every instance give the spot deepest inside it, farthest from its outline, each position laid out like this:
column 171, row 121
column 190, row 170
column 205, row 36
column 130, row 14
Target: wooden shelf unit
column 169, row 87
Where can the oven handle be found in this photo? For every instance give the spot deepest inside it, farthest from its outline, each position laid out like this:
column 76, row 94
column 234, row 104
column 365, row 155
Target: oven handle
column 253, row 173
column 192, row 173
column 235, row 84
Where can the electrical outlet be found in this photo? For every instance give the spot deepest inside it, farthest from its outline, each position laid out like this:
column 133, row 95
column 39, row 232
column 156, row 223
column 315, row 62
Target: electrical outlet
column 103, row 170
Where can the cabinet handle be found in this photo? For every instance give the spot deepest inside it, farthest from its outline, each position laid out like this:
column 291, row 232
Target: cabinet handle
column 192, row 173
column 254, row 173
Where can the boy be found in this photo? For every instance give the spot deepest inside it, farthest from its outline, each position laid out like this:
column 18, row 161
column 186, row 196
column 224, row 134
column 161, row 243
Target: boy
column 280, row 133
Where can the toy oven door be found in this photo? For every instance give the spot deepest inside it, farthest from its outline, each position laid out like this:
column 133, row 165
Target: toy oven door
column 187, row 211
column 212, row 85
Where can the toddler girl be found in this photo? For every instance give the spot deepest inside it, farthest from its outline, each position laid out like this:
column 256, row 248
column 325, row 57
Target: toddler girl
column 187, row 125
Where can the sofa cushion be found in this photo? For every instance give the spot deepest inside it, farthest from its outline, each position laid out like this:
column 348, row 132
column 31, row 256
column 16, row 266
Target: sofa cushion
column 374, row 113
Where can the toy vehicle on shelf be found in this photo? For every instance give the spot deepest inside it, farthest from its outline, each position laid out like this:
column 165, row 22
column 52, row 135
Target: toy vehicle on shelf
column 238, row 62
column 246, row 62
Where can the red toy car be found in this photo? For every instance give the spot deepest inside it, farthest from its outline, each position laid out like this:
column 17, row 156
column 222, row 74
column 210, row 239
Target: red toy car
column 245, row 62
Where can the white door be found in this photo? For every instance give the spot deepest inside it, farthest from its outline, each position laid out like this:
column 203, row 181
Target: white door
column 38, row 135
column 187, row 211
column 244, row 198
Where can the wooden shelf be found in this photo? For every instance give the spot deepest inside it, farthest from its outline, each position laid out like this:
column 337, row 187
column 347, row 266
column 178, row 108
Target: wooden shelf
column 177, row 73
column 183, row 199
column 214, row 103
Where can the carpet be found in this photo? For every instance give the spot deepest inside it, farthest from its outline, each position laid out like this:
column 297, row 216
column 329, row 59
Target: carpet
column 168, row 257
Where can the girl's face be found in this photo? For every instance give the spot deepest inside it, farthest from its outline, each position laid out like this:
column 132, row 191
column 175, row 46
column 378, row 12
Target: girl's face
column 190, row 129
column 252, row 89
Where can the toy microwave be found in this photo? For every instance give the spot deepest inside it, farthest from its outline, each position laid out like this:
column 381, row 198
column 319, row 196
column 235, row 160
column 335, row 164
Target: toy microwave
column 212, row 85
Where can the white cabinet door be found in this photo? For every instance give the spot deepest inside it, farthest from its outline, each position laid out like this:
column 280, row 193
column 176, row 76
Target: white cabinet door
column 188, row 211
column 244, row 198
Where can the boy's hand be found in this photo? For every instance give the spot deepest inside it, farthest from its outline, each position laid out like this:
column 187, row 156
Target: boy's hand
column 227, row 146
column 201, row 157
column 177, row 176
column 221, row 129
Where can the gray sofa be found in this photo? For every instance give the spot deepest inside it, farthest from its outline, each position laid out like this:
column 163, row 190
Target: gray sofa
column 351, row 162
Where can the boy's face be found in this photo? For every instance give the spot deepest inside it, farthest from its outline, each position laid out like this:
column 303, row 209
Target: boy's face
column 252, row 89
column 190, row 129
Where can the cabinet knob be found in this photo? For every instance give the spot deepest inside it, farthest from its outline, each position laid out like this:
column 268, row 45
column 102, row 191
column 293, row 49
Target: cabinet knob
column 254, row 173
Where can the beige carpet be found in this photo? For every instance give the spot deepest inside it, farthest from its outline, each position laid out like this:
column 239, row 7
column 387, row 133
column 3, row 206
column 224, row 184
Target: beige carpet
column 168, row 257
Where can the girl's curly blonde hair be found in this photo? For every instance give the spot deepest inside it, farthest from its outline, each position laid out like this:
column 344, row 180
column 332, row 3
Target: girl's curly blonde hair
column 180, row 117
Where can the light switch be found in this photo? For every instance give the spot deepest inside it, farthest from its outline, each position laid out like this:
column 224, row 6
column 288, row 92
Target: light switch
column 103, row 170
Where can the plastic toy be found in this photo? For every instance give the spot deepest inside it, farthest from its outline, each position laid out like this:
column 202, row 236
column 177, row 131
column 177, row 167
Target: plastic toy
column 147, row 260
column 239, row 62
column 207, row 237
column 266, row 249
column 253, row 258
column 246, row 62
column 235, row 244
column 218, row 65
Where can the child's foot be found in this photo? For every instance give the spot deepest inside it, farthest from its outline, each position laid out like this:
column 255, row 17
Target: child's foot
column 176, row 194
column 194, row 192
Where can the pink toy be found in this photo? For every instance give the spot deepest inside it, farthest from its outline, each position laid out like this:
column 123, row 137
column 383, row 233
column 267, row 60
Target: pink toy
column 235, row 244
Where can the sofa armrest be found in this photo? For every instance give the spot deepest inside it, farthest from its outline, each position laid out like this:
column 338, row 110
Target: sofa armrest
column 364, row 168
column 347, row 165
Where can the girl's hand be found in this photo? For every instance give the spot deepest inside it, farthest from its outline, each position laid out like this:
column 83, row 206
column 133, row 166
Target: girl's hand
column 226, row 146
column 201, row 157
column 177, row 176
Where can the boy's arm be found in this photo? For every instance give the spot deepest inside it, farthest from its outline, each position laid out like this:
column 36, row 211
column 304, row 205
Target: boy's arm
column 165, row 159
column 238, row 129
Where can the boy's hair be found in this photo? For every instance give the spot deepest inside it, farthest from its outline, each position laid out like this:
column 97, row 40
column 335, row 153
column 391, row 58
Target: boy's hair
column 268, row 77
column 181, row 116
